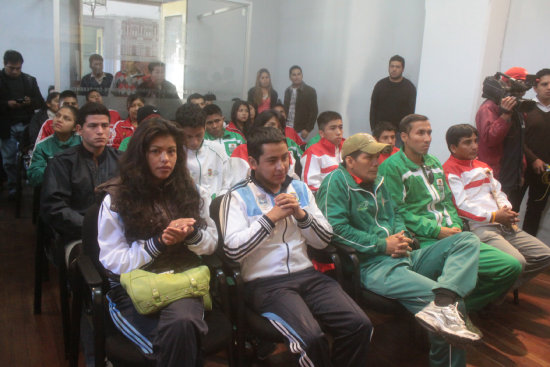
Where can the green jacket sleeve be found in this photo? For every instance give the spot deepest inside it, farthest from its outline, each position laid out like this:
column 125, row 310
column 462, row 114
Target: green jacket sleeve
column 333, row 204
column 449, row 205
column 39, row 161
column 417, row 224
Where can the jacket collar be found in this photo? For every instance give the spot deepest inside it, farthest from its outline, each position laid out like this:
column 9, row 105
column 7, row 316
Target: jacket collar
column 89, row 155
column 467, row 162
column 284, row 185
column 329, row 146
column 352, row 182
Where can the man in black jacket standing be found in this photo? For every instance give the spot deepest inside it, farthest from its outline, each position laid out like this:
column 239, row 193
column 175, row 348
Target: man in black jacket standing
column 72, row 175
column 393, row 97
column 19, row 97
column 300, row 103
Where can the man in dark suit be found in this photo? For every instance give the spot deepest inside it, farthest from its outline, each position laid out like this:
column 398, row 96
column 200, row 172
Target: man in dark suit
column 300, row 103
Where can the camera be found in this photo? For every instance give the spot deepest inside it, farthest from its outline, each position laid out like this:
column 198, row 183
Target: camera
column 20, row 100
column 496, row 88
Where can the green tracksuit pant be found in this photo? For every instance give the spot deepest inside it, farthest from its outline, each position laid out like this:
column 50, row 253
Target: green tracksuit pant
column 450, row 263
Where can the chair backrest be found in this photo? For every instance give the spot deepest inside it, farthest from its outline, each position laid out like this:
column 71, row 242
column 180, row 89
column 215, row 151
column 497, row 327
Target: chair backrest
column 89, row 237
column 215, row 215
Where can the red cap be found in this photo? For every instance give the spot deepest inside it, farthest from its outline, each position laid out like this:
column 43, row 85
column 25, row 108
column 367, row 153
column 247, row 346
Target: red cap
column 517, row 73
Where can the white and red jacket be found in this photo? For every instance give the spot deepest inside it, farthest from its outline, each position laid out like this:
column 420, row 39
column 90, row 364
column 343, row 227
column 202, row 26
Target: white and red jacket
column 120, row 131
column 47, row 127
column 473, row 184
column 240, row 169
column 319, row 160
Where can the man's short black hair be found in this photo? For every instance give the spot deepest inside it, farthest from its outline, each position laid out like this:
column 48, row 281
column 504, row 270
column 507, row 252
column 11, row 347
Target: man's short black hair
column 294, row 67
column 153, row 65
column 91, row 108
column 190, row 115
column 94, row 57
column 209, row 97
column 279, row 104
column 12, row 57
column 67, row 93
column 258, row 136
column 540, row 73
column 212, row 109
column 406, row 122
column 457, row 132
column 90, row 92
column 194, row 96
column 326, row 117
column 381, row 127
column 398, row 58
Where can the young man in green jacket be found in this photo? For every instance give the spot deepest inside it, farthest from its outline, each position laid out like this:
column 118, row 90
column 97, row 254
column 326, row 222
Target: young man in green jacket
column 216, row 132
column 416, row 183
column 430, row 282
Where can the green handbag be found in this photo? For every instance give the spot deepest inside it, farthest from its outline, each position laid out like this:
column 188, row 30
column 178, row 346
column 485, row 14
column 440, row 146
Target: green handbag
column 151, row 292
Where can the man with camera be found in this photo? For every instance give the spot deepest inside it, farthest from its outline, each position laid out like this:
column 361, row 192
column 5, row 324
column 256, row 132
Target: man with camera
column 19, row 97
column 500, row 122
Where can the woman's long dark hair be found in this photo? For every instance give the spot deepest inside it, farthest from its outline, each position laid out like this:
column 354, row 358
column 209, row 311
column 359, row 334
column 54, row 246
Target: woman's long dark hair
column 258, row 95
column 139, row 199
column 235, row 108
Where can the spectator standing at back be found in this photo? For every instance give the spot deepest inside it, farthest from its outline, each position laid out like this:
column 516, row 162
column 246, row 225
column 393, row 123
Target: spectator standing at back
column 127, row 80
column 19, row 97
column 263, row 94
column 97, row 79
column 537, row 152
column 393, row 97
column 300, row 103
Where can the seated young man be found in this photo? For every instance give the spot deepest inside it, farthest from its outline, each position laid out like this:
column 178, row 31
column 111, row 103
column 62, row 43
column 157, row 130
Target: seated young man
column 206, row 160
column 416, row 183
column 480, row 201
column 384, row 132
column 267, row 222
column 240, row 167
column 216, row 132
column 72, row 175
column 66, row 98
column 430, row 281
column 64, row 126
column 323, row 157
column 289, row 131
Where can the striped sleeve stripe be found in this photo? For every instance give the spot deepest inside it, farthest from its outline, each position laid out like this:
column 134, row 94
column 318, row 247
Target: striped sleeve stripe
column 248, row 246
column 195, row 238
column 306, row 222
column 321, row 232
column 154, row 247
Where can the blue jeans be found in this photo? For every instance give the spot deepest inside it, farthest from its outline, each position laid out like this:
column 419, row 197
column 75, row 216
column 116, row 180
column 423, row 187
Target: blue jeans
column 8, row 148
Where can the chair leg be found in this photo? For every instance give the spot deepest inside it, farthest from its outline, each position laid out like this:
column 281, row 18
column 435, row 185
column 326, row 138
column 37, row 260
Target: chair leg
column 39, row 260
column 75, row 319
column 516, row 296
column 64, row 300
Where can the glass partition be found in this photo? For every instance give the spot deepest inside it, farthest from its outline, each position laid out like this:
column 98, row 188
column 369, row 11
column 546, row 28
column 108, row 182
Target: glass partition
column 162, row 50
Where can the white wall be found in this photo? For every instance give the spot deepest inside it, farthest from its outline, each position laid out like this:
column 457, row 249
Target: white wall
column 455, row 35
column 26, row 26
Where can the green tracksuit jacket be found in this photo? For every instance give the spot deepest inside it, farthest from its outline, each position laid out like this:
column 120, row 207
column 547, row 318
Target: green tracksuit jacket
column 43, row 152
column 421, row 195
column 344, row 203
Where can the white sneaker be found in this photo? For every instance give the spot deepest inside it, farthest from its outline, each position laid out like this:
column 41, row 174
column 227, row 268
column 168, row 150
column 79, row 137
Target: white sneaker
column 446, row 321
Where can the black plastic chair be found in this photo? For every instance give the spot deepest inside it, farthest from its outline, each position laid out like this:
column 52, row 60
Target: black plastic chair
column 91, row 286
column 48, row 249
column 246, row 320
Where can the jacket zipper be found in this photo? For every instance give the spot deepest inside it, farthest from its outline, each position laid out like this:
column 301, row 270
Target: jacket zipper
column 287, row 248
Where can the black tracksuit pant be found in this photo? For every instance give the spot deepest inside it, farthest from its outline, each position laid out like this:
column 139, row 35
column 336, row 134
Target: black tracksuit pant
column 300, row 304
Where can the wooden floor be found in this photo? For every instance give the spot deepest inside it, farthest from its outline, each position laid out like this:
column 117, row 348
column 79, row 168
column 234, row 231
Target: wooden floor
column 514, row 335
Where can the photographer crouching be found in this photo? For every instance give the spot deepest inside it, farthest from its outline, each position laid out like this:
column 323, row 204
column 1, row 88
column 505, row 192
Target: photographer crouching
column 500, row 121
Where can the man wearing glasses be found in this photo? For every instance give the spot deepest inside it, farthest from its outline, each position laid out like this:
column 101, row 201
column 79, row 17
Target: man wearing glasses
column 416, row 183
